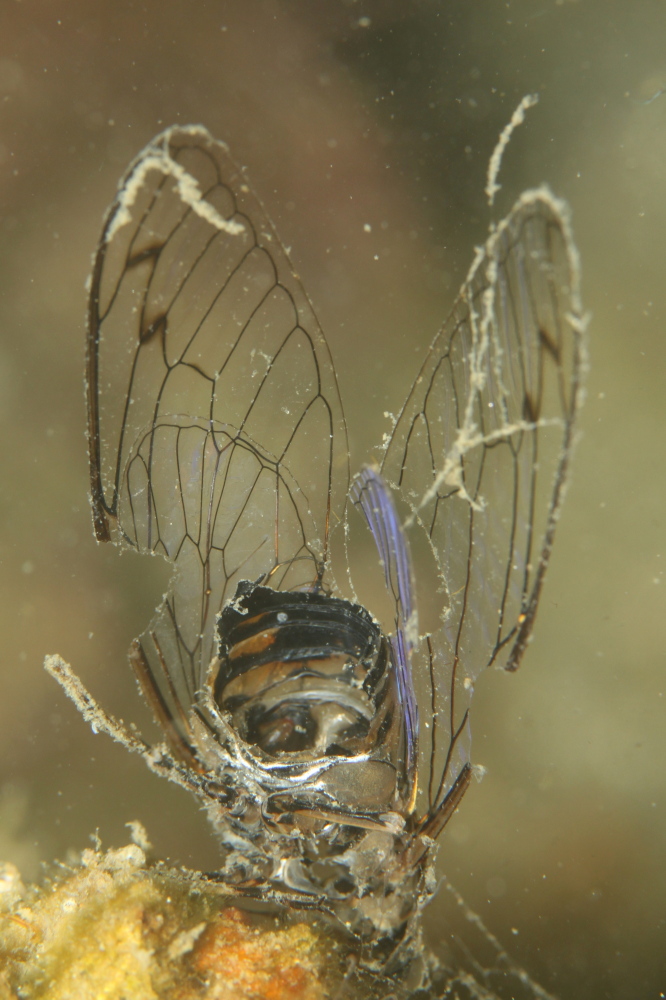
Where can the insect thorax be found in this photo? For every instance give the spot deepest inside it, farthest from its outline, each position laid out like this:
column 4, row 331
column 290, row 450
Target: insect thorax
column 305, row 731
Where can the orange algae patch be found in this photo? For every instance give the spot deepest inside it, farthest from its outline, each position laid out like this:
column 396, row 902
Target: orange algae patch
column 239, row 960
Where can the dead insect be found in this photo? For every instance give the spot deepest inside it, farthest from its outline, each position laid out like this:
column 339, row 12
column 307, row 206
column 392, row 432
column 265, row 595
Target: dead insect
column 329, row 748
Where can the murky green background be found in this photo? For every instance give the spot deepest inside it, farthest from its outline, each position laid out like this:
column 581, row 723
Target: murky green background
column 346, row 114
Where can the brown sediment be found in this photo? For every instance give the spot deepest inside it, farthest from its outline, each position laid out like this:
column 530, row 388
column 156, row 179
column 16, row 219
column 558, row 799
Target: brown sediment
column 115, row 926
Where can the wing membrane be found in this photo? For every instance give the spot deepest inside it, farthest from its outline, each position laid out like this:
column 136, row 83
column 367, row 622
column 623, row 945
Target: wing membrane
column 216, row 432
column 480, row 453
column 370, row 494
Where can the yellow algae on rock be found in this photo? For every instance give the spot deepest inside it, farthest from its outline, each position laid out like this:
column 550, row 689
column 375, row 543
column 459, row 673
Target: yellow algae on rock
column 115, row 927
column 82, row 936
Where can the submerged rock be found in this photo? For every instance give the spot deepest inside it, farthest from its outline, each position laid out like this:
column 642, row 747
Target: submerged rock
column 117, row 926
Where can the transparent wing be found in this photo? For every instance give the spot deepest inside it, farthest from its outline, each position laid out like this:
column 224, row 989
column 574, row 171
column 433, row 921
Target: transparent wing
column 480, row 453
column 216, row 432
column 371, row 495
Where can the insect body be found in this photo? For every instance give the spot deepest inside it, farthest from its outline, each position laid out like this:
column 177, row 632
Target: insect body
column 217, row 439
